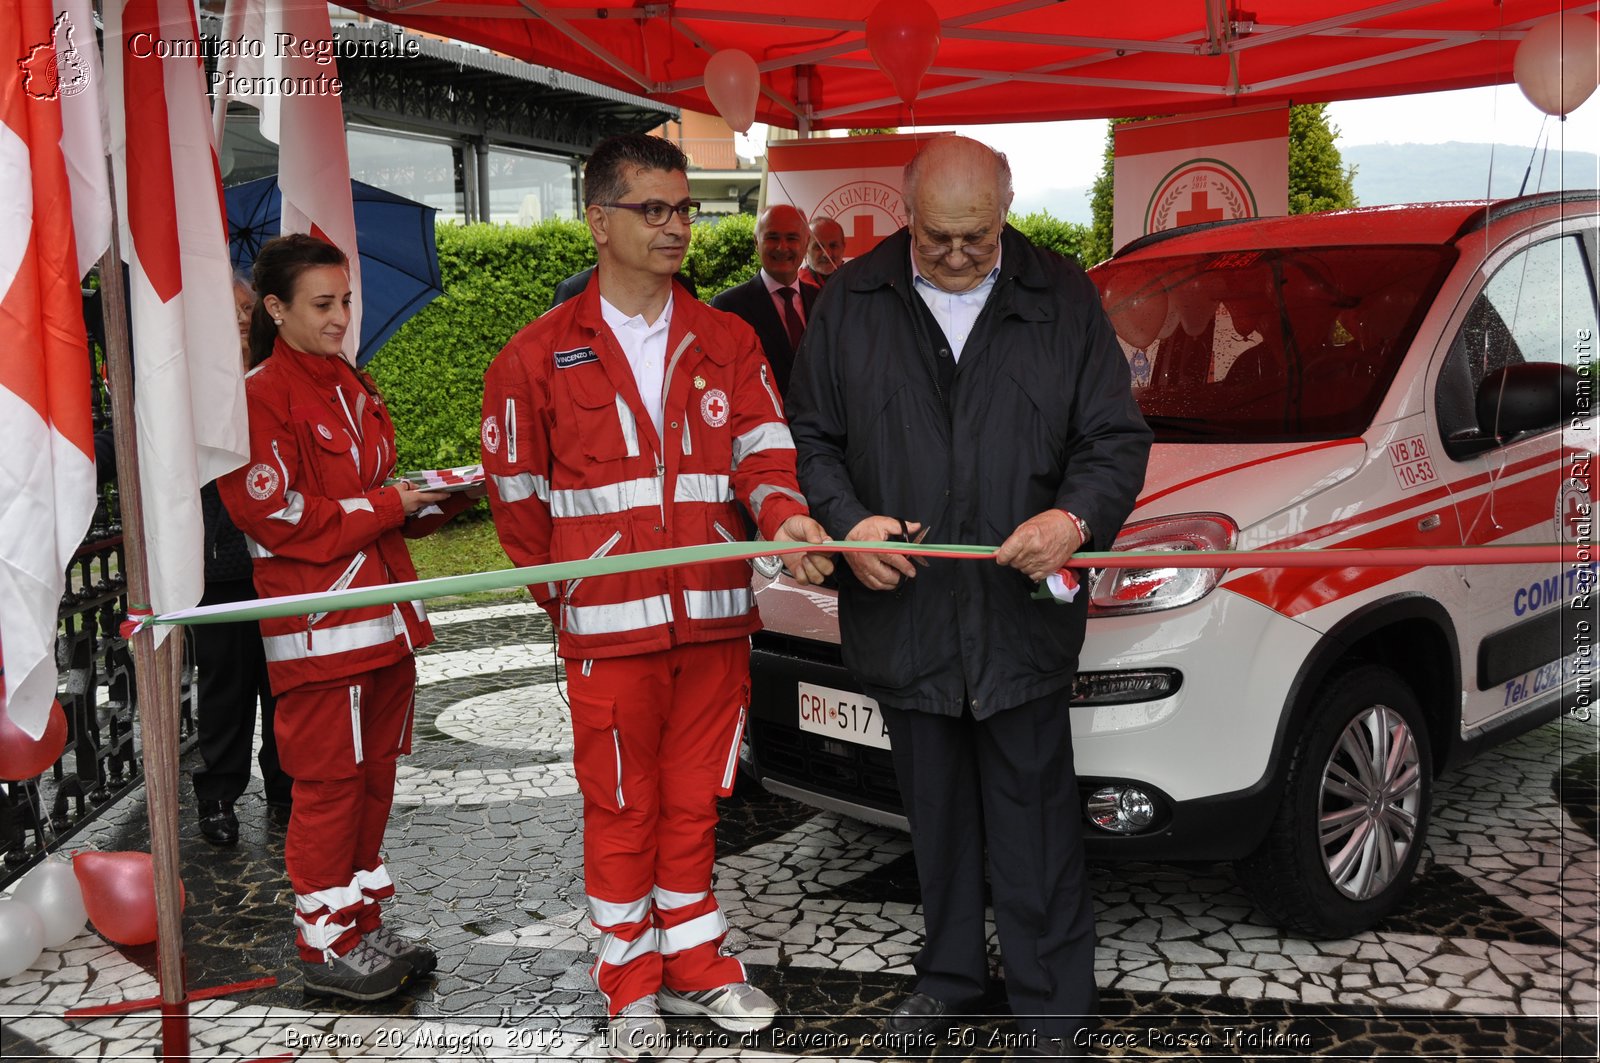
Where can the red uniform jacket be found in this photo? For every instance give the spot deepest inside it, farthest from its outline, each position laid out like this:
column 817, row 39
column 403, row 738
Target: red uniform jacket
column 312, row 503
column 576, row 470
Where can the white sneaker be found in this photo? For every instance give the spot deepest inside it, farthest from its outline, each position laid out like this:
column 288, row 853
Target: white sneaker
column 637, row 1030
column 737, row 1006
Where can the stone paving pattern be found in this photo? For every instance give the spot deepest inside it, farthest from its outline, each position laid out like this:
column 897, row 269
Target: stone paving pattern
column 1493, row 955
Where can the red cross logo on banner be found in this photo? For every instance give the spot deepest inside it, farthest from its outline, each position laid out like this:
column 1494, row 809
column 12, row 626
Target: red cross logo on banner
column 1200, row 209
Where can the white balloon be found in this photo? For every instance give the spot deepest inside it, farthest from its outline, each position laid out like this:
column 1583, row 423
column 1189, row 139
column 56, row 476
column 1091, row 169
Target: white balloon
column 1556, row 65
column 52, row 890
column 733, row 84
column 21, row 936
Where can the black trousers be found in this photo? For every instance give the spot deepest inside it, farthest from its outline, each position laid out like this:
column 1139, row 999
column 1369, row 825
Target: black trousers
column 233, row 675
column 1006, row 783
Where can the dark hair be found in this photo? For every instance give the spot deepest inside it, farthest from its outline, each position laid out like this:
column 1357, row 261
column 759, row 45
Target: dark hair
column 278, row 266
column 606, row 175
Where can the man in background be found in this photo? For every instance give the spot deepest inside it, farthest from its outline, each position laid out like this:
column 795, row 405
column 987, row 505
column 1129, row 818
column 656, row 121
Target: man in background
column 775, row 301
column 826, row 252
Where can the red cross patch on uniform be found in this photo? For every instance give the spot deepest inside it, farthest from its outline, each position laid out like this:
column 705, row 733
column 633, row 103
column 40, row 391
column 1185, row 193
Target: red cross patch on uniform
column 714, row 407
column 261, row 481
column 491, row 434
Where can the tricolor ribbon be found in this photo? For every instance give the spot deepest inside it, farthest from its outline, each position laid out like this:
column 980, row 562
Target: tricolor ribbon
column 561, row 571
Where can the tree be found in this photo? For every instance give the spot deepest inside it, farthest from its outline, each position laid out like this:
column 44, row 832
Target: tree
column 1318, row 178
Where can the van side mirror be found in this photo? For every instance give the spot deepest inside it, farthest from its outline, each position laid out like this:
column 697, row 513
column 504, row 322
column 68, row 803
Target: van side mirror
column 1516, row 399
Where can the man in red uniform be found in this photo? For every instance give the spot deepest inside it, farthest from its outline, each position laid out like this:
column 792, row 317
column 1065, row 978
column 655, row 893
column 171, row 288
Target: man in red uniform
column 630, row 418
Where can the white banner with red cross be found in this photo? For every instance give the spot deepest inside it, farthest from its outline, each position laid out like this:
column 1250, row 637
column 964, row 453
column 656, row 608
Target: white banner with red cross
column 1178, row 171
column 853, row 180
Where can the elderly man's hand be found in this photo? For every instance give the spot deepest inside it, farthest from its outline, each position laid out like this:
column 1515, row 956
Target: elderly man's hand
column 880, row 572
column 805, row 568
column 1040, row 545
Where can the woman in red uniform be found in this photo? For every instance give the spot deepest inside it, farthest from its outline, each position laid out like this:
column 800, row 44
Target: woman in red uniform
column 319, row 517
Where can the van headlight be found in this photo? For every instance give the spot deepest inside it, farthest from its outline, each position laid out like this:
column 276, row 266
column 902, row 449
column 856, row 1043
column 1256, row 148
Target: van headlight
column 1147, row 589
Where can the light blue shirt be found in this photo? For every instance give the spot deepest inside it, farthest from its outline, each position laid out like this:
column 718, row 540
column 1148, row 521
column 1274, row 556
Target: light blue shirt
column 956, row 312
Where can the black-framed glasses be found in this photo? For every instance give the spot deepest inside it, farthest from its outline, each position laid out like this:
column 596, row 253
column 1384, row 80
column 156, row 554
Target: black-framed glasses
column 656, row 212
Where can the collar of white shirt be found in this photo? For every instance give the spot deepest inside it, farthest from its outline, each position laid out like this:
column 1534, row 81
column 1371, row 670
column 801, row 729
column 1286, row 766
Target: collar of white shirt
column 617, row 319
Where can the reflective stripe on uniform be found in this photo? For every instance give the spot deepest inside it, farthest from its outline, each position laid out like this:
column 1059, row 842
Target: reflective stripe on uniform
column 702, row 487
column 611, row 498
column 613, row 913
column 697, row 931
column 717, row 605
column 256, row 550
column 375, row 882
column 328, row 641
column 623, row 616
column 616, row 952
column 774, row 435
column 350, row 505
column 630, row 427
column 294, row 508
column 672, row 899
column 334, row 899
column 522, row 486
column 759, row 496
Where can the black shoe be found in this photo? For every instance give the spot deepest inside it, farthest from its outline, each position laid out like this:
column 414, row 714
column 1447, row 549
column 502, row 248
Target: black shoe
column 218, row 824
column 920, row 1014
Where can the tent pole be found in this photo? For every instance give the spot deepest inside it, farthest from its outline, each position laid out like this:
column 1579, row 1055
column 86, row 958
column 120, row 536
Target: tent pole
column 155, row 669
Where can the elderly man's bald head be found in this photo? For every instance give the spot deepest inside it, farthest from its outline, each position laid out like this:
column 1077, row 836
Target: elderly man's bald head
column 957, row 193
column 965, row 169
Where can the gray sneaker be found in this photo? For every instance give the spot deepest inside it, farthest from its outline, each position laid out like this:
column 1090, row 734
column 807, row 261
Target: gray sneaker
column 418, row 956
column 637, row 1030
column 737, row 1006
column 363, row 973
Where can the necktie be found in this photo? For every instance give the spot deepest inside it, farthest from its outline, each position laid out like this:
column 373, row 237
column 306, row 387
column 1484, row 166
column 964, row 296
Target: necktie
column 791, row 317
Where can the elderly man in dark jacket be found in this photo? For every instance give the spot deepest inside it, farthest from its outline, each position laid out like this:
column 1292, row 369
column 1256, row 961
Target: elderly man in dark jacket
column 960, row 380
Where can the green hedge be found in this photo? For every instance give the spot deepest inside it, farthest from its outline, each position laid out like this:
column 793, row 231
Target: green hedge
column 497, row 278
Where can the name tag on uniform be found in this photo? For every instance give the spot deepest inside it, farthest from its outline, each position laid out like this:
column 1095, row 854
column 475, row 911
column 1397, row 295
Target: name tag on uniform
column 576, row 356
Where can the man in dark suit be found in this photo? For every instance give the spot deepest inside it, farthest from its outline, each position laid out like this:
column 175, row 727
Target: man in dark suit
column 775, row 301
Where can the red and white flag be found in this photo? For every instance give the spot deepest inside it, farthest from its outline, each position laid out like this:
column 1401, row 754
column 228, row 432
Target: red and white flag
column 47, row 461
column 189, row 407
column 290, row 86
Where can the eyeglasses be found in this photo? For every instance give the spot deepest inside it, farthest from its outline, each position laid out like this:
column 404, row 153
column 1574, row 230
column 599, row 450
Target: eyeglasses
column 983, row 250
column 655, row 212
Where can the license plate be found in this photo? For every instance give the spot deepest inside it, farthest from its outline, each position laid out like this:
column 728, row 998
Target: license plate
column 842, row 714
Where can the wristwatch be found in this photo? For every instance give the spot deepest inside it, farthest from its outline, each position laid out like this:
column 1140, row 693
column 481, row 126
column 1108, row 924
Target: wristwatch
column 1083, row 527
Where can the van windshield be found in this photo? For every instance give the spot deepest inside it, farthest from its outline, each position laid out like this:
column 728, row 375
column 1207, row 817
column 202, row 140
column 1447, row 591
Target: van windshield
column 1268, row 345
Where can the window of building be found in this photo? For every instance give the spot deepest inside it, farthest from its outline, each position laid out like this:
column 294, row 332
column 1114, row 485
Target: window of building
column 525, row 188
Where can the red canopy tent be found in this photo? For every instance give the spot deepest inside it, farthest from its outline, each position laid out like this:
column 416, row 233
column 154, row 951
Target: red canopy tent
column 1022, row 60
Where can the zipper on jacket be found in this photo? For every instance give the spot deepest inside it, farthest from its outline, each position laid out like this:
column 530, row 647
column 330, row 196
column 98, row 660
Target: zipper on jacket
column 605, row 548
column 338, row 585
column 766, row 382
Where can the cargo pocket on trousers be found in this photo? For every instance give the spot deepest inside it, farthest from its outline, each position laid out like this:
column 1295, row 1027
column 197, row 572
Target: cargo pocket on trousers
column 597, row 750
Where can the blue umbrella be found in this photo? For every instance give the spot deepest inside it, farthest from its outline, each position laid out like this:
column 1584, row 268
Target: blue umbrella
column 399, row 262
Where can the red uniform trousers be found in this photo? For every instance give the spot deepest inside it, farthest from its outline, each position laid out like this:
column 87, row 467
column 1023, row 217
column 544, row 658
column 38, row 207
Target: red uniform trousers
column 339, row 741
column 655, row 742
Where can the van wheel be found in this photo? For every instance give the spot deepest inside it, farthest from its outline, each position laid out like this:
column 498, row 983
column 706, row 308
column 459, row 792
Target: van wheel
column 1354, row 815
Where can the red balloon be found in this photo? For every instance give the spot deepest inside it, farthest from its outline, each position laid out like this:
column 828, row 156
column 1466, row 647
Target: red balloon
column 119, row 893
column 22, row 757
column 903, row 37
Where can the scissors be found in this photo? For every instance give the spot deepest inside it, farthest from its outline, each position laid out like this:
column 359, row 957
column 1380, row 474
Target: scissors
column 906, row 537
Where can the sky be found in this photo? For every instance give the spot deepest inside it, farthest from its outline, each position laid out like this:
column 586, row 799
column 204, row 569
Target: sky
column 1053, row 157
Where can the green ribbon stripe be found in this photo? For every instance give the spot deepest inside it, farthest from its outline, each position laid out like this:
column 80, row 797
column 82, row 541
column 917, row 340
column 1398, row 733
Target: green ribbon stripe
column 507, row 579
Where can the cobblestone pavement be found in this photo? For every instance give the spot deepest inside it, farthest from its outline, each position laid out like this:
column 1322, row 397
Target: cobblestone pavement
column 1493, row 955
